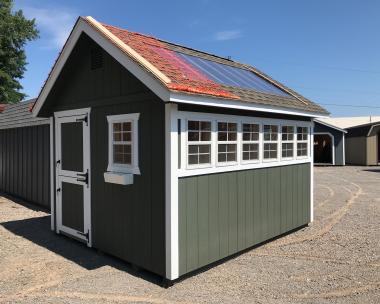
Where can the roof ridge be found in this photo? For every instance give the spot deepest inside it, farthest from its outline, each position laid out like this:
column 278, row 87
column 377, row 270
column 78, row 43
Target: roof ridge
column 172, row 43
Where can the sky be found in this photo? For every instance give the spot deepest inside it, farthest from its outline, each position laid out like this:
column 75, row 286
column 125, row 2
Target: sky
column 328, row 51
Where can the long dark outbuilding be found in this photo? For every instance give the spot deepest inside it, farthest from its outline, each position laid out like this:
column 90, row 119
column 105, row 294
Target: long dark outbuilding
column 171, row 158
column 25, row 153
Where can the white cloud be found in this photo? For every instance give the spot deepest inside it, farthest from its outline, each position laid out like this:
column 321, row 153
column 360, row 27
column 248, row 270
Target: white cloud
column 228, row 35
column 54, row 24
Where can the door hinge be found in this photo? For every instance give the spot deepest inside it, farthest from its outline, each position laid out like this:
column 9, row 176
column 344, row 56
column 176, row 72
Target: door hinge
column 86, row 235
column 59, row 190
column 84, row 119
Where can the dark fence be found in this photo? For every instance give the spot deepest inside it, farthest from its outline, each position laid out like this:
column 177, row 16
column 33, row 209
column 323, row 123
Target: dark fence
column 25, row 163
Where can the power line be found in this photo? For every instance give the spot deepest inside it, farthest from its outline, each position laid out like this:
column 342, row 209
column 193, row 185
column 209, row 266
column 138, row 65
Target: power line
column 347, row 105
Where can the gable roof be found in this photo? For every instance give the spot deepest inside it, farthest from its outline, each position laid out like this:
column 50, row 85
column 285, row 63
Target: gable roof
column 327, row 124
column 352, row 122
column 19, row 115
column 180, row 74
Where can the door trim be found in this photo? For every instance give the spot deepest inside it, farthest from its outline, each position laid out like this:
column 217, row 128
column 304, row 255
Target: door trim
column 64, row 175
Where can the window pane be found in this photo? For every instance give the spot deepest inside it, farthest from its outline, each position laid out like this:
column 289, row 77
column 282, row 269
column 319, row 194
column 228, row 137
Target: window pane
column 205, row 125
column 117, row 136
column 270, row 132
column 205, row 136
column 193, row 159
column 301, row 149
column 127, row 126
column 193, row 125
column 227, row 131
column 204, row 158
column 126, row 136
column 122, row 154
column 199, row 130
column 222, row 126
column 199, row 154
column 193, row 136
column 250, row 132
column 270, row 150
column 287, row 150
column 117, row 127
column 222, row 136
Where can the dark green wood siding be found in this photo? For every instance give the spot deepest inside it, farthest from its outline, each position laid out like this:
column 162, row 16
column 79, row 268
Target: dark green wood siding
column 222, row 214
column 127, row 221
column 25, row 163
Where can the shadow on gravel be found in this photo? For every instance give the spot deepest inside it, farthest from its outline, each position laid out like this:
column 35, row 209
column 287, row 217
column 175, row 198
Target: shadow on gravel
column 372, row 170
column 37, row 230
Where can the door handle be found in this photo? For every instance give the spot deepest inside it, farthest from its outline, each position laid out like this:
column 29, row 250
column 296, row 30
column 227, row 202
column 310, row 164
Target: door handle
column 83, row 177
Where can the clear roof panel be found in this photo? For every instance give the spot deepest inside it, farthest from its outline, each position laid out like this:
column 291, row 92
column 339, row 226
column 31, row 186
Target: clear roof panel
column 232, row 76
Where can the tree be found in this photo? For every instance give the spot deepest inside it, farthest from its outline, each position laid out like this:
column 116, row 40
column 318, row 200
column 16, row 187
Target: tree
column 15, row 31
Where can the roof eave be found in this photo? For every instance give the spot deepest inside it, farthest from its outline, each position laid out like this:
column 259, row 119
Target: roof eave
column 203, row 100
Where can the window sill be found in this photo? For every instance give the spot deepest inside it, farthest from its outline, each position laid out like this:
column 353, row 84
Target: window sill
column 126, row 170
column 118, row 178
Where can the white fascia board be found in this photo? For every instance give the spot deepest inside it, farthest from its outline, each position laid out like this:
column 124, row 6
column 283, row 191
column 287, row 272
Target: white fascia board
column 329, row 125
column 83, row 27
column 235, row 104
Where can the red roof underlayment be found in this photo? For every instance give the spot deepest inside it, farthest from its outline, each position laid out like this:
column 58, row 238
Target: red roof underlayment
column 183, row 76
column 2, row 107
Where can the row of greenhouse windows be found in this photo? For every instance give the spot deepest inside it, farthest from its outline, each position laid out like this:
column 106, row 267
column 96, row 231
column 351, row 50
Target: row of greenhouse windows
column 276, row 141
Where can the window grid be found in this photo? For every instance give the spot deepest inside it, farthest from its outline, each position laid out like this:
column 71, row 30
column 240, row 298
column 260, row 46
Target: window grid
column 199, row 143
column 227, row 138
column 270, row 149
column 287, row 146
column 122, row 143
column 302, row 141
column 227, row 142
column 250, row 142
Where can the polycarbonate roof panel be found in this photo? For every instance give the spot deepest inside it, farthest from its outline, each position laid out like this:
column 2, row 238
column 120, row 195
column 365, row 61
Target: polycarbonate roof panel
column 232, row 76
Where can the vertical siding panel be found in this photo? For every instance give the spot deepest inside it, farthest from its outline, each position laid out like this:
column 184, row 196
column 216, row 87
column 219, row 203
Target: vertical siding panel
column 271, row 203
column 300, row 197
column 182, row 226
column 233, row 213
column 264, row 203
column 283, row 198
column 249, row 213
column 203, row 219
column 258, row 207
column 192, row 225
column 277, row 200
column 289, row 190
column 242, row 211
column 214, row 232
column 223, row 213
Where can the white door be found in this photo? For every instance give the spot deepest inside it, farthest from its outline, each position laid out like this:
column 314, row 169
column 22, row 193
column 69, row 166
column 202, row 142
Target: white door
column 73, row 172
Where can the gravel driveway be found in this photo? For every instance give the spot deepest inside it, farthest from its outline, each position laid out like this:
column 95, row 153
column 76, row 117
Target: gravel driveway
column 334, row 260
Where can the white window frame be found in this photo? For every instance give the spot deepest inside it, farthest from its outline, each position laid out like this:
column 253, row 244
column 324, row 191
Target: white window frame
column 242, row 142
column 289, row 141
column 306, row 141
column 189, row 143
column 133, row 168
column 183, row 170
column 227, row 142
column 277, row 158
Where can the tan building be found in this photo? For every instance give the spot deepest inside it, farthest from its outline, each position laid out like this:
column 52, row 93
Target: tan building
column 362, row 144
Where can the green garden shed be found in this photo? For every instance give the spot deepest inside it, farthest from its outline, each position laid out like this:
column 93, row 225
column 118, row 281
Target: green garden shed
column 171, row 158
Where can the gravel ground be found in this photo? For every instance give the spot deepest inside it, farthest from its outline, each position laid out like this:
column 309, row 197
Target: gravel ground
column 334, row 260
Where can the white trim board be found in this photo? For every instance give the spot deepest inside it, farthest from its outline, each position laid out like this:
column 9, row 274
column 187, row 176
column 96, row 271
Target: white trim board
column 171, row 192
column 103, row 38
